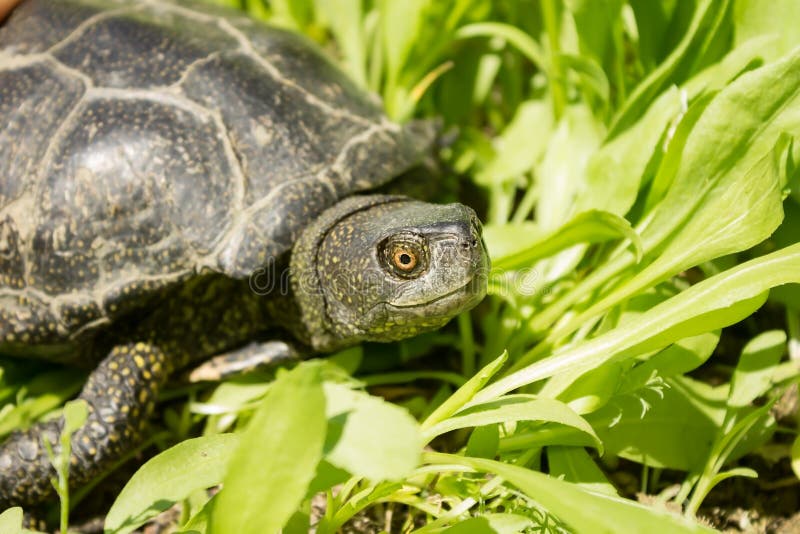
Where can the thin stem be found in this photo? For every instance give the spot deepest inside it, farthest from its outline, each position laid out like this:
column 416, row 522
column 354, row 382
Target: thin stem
column 556, row 71
column 467, row 344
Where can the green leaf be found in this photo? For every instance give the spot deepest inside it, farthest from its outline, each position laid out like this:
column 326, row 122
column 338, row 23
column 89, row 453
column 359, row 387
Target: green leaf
column 511, row 409
column 561, row 176
column 753, row 375
column 199, row 522
column 369, row 437
column 574, row 464
column 476, row 525
column 622, row 160
column 587, row 227
column 345, row 20
column 592, row 74
column 171, row 476
column 400, row 25
column 75, row 414
column 679, row 358
column 277, row 457
column 45, row 392
column 735, row 472
column 713, row 230
column 520, row 145
column 754, row 18
column 464, row 393
column 713, row 303
column 11, row 521
column 674, row 429
column 581, row 510
column 513, row 35
column 294, row 14
column 483, row 442
column 673, row 70
column 595, row 21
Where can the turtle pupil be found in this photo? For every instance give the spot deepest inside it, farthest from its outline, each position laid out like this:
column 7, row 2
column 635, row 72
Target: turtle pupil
column 405, row 259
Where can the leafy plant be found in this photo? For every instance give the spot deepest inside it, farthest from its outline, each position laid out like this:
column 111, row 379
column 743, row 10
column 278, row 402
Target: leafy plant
column 636, row 165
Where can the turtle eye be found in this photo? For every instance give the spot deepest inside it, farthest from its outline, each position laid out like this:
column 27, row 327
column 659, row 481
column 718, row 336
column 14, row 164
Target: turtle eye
column 404, row 256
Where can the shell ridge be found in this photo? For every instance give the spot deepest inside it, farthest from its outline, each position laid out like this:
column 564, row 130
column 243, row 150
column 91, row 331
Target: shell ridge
column 81, row 28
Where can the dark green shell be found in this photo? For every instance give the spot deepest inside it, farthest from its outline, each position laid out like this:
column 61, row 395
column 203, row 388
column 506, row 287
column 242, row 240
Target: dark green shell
column 144, row 142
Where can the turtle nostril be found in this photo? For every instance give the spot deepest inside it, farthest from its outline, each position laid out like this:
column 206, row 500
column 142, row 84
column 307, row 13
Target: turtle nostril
column 474, row 243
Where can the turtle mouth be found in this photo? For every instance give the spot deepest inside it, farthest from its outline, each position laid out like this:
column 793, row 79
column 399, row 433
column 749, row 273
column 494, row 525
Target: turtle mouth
column 468, row 296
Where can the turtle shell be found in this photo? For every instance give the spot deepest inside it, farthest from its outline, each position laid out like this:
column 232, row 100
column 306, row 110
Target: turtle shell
column 144, row 142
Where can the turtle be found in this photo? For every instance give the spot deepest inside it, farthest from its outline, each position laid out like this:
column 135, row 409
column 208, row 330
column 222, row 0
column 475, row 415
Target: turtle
column 180, row 183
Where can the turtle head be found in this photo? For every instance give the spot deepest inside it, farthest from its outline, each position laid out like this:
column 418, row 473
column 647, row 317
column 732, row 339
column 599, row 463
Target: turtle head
column 382, row 268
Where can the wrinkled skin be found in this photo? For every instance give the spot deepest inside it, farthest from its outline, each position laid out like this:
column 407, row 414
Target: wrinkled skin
column 388, row 268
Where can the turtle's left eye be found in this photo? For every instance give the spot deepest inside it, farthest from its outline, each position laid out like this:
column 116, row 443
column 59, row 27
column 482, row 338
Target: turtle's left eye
column 404, row 256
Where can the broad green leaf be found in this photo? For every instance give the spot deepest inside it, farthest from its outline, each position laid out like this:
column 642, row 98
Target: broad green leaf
column 277, row 455
column 753, row 18
column 622, row 160
column 670, row 163
column 695, row 223
column 464, row 393
column 714, row 230
column 11, row 521
column 681, row 357
column 713, row 303
column 170, row 477
column 511, row 238
column 561, row 175
column 587, row 227
column 520, row 145
column 674, row 429
column 753, row 375
column 581, row 510
column 627, row 159
column 483, row 441
column 511, row 409
column 369, row 437
column 574, row 464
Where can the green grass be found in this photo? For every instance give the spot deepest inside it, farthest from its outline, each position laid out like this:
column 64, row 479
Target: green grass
column 635, row 163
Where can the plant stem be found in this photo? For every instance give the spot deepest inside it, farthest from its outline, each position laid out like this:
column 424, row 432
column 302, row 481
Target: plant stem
column 467, row 344
column 556, row 73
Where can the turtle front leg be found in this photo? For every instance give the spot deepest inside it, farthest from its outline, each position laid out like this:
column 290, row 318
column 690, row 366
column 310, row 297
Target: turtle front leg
column 120, row 394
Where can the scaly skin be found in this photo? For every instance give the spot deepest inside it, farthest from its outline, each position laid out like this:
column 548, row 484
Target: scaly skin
column 342, row 292
column 151, row 165
column 120, row 395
